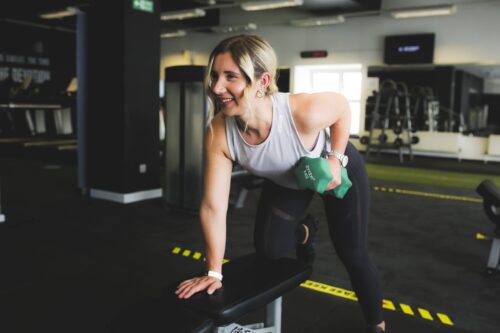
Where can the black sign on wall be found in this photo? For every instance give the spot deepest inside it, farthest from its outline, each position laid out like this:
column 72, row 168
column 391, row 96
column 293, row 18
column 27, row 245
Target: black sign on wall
column 46, row 56
column 19, row 67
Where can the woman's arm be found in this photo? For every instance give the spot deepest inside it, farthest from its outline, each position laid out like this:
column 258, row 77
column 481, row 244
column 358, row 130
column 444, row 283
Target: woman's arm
column 314, row 112
column 213, row 209
column 339, row 136
column 214, row 204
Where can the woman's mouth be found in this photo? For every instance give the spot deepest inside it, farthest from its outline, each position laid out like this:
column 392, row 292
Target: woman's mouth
column 225, row 101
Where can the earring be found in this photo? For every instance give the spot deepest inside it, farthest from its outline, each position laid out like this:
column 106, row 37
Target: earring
column 260, row 93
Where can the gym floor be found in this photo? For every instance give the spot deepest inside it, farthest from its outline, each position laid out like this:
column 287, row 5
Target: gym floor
column 70, row 264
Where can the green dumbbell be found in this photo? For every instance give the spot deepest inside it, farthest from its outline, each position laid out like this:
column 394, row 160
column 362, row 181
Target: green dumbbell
column 314, row 174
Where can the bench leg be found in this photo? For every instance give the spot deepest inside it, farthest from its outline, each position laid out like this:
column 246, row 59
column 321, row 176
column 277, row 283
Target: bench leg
column 240, row 201
column 273, row 322
column 273, row 317
column 494, row 254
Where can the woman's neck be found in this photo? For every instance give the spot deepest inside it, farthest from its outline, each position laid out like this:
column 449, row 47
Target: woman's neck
column 259, row 118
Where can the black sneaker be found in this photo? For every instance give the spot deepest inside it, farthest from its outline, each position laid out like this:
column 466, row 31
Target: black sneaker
column 306, row 252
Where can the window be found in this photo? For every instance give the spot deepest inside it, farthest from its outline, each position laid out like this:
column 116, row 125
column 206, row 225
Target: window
column 344, row 79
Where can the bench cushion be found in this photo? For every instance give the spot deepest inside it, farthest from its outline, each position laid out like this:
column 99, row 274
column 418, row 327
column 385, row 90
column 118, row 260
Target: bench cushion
column 489, row 192
column 249, row 283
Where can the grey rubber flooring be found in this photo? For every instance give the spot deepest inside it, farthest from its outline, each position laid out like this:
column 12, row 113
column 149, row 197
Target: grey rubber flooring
column 71, row 264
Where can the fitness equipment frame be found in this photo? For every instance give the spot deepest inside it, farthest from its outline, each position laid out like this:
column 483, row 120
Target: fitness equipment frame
column 491, row 205
column 389, row 96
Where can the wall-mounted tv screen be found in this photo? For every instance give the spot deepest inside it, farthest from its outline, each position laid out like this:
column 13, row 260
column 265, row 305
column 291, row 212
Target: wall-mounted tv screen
column 409, row 49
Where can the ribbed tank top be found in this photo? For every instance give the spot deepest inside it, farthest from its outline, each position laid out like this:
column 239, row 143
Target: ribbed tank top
column 276, row 156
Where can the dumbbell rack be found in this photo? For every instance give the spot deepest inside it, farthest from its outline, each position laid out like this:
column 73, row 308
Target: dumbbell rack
column 389, row 96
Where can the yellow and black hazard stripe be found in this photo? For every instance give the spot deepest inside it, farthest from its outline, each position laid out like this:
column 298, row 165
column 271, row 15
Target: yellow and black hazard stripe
column 190, row 254
column 427, row 194
column 347, row 294
column 387, row 304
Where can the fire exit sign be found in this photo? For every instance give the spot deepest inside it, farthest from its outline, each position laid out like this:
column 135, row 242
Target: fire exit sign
column 143, row 5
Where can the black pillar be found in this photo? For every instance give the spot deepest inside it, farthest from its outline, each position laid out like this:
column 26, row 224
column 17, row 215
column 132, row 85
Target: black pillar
column 123, row 100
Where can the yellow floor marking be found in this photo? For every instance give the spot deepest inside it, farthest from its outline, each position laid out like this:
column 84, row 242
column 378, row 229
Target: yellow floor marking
column 425, row 314
column 407, row 309
column 444, row 319
column 386, row 304
column 428, row 194
column 343, row 293
column 480, row 236
column 324, row 288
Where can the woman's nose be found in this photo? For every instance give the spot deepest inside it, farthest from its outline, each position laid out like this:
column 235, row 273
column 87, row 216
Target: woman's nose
column 218, row 87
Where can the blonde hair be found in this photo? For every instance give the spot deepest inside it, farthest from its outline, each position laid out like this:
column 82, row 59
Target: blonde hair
column 253, row 55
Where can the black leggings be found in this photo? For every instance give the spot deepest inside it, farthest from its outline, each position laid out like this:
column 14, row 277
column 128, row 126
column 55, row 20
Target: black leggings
column 278, row 230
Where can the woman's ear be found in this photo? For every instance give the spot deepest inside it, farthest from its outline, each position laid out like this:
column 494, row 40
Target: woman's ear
column 265, row 80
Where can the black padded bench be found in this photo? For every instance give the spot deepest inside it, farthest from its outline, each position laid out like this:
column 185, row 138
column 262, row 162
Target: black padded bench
column 250, row 283
column 491, row 205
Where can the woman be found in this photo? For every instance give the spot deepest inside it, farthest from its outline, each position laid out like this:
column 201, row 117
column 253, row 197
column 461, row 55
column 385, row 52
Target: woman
column 267, row 132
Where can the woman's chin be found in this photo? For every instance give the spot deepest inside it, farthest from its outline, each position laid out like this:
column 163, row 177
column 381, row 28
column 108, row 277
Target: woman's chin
column 229, row 112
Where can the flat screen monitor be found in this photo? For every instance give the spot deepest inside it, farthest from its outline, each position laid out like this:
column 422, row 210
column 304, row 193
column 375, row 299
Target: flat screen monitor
column 409, row 49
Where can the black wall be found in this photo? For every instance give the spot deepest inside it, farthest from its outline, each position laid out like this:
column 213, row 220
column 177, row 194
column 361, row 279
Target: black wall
column 467, row 85
column 439, row 78
column 37, row 42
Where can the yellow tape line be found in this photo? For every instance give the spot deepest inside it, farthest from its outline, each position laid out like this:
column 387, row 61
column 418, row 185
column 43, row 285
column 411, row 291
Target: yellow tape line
column 343, row 293
column 407, row 309
column 428, row 194
column 425, row 314
column 326, row 289
column 444, row 319
column 386, row 304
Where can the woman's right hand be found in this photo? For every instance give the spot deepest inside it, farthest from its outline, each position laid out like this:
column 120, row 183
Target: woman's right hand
column 189, row 287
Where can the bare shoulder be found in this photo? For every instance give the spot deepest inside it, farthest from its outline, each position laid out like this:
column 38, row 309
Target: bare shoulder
column 216, row 141
column 304, row 102
column 312, row 111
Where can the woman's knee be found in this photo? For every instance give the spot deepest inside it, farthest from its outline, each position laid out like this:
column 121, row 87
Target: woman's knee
column 277, row 236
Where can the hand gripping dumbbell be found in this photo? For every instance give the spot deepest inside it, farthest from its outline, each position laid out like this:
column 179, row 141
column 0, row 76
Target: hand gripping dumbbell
column 314, row 174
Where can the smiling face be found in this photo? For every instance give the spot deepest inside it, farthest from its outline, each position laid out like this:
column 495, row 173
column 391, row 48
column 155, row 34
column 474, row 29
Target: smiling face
column 228, row 84
column 238, row 68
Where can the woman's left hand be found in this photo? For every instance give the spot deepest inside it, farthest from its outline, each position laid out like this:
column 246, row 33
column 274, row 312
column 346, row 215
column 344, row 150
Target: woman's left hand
column 335, row 168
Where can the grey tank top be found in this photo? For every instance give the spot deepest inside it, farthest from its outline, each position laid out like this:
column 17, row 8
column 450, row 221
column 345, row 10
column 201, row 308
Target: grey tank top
column 276, row 156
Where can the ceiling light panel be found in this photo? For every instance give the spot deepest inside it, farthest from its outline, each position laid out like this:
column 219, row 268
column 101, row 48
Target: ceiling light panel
column 318, row 21
column 423, row 11
column 183, row 14
column 172, row 34
column 270, row 4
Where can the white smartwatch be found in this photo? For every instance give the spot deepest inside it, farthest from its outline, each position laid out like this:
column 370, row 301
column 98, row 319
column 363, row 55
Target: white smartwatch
column 214, row 274
column 341, row 157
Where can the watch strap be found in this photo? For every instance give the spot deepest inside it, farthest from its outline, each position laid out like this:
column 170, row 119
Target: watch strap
column 214, row 274
column 336, row 154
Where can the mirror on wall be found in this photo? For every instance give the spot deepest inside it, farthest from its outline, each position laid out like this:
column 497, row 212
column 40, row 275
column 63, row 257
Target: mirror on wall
column 444, row 98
